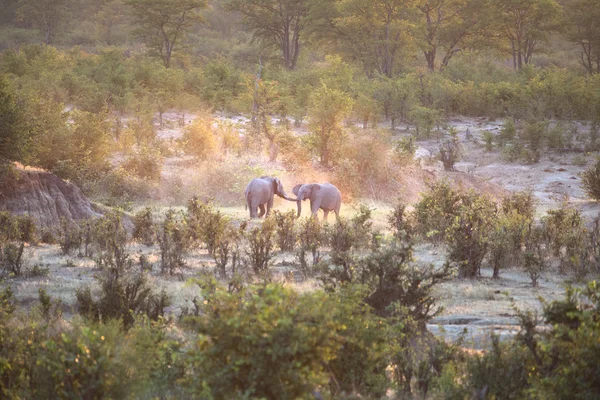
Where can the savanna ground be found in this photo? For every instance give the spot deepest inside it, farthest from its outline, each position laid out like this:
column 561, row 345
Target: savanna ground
column 472, row 308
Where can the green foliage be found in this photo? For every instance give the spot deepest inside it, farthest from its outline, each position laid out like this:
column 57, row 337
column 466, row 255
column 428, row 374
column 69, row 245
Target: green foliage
column 468, row 236
column 143, row 227
column 401, row 222
column 200, row 140
column 205, row 223
column 290, row 326
column 311, row 238
column 173, row 242
column 488, row 139
column 162, row 24
column 15, row 133
column 286, row 232
column 329, row 107
column 69, row 236
column 450, row 153
column 145, row 163
column 11, row 258
column 261, row 247
column 590, row 180
column 436, row 210
column 508, row 132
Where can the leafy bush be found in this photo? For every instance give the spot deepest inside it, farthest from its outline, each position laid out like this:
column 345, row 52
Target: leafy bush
column 590, row 180
column 11, row 258
column 200, row 140
column 173, row 242
column 488, row 139
column 468, row 236
column 145, row 163
column 286, row 233
column 311, row 238
column 228, row 247
column 205, row 223
column 143, row 227
column 261, row 247
column 436, row 210
column 69, row 236
column 299, row 327
column 508, row 132
column 401, row 222
column 450, row 152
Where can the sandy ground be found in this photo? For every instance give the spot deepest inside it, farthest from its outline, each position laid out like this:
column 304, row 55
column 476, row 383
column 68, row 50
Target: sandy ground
column 475, row 307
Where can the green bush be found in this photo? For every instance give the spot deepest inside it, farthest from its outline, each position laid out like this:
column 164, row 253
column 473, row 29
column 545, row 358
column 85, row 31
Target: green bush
column 11, row 258
column 298, row 331
column 69, row 236
column 436, row 211
column 286, row 233
column 261, row 247
column 228, row 248
column 143, row 227
column 311, row 239
column 205, row 223
column 401, row 222
column 590, row 180
column 173, row 242
column 468, row 237
column 145, row 163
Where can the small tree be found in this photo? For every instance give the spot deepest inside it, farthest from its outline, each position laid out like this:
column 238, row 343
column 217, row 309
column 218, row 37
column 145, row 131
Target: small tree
column 261, row 246
column 590, row 180
column 163, row 24
column 328, row 109
column 173, row 241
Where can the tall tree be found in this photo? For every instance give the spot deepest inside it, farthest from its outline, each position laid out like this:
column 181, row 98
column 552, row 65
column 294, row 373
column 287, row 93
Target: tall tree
column 523, row 24
column 373, row 32
column 280, row 22
column 15, row 132
column 582, row 22
column 445, row 25
column 46, row 15
column 163, row 23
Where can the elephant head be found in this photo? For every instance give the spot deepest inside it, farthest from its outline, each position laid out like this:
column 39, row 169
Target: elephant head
column 278, row 188
column 303, row 192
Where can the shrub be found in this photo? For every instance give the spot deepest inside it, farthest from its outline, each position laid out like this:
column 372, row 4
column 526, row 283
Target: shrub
column 311, row 238
column 205, row 223
column 590, row 180
column 227, row 248
column 401, row 222
column 508, row 132
column 123, row 292
column 173, row 242
column 468, row 236
column 143, row 227
column 11, row 258
column 533, row 135
column 299, row 327
column 286, row 233
column 145, row 163
column 69, row 236
column 436, row 210
column 200, row 140
column 261, row 246
column 488, row 139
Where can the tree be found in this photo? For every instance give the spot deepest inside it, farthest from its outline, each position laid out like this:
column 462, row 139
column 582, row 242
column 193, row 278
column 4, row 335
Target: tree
column 163, row 23
column 45, row 15
column 581, row 27
column 523, row 24
column 327, row 112
column 445, row 25
column 375, row 32
column 14, row 130
column 277, row 21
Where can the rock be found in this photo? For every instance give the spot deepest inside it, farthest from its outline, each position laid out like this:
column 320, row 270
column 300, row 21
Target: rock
column 45, row 197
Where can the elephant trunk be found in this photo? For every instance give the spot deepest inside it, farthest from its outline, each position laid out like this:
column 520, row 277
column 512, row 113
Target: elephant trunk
column 299, row 202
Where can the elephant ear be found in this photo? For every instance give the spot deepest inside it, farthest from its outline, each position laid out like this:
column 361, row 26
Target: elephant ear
column 279, row 187
column 296, row 189
column 315, row 187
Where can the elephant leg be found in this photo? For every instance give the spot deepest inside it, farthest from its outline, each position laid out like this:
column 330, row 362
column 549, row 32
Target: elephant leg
column 325, row 214
column 314, row 208
column 262, row 210
column 269, row 207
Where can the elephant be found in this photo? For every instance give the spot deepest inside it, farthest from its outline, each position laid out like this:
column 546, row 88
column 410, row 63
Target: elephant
column 321, row 195
column 260, row 192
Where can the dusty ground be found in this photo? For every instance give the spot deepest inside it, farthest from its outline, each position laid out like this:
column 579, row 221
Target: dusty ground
column 477, row 306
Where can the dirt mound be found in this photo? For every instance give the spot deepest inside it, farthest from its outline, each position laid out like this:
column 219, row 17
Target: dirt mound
column 45, row 197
